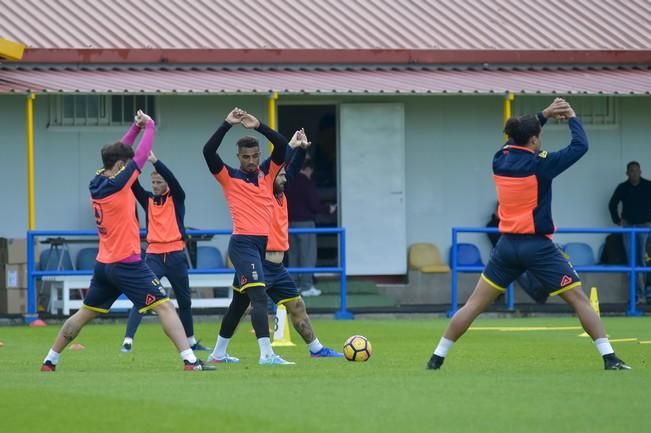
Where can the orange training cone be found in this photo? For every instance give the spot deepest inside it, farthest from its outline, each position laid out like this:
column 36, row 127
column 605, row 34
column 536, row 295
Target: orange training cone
column 38, row 323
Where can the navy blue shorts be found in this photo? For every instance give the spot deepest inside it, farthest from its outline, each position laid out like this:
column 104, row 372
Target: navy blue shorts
column 515, row 254
column 174, row 266
column 135, row 280
column 247, row 254
column 281, row 287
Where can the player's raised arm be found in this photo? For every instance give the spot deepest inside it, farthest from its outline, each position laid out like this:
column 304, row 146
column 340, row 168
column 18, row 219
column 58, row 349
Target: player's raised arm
column 172, row 182
column 130, row 136
column 280, row 143
column 147, row 140
column 214, row 161
column 557, row 162
column 299, row 143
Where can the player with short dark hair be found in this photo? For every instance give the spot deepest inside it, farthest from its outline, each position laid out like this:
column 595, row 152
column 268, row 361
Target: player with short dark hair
column 249, row 194
column 166, row 257
column 523, row 175
column 281, row 288
column 120, row 268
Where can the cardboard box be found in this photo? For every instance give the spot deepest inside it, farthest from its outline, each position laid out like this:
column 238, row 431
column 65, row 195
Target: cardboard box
column 13, row 301
column 13, row 251
column 13, row 276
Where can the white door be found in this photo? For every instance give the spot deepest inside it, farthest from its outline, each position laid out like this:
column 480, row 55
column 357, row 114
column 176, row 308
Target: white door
column 372, row 209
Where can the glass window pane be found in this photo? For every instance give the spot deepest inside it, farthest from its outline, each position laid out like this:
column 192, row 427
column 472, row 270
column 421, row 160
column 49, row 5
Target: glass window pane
column 151, row 108
column 93, row 106
column 116, row 109
column 129, row 108
column 80, row 106
column 68, row 107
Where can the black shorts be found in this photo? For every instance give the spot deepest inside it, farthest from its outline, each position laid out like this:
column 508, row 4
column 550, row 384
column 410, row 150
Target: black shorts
column 135, row 280
column 281, row 288
column 247, row 254
column 515, row 254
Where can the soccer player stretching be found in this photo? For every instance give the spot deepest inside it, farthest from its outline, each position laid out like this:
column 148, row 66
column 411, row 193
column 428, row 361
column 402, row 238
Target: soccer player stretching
column 119, row 267
column 165, row 210
column 249, row 194
column 523, row 177
column 281, row 288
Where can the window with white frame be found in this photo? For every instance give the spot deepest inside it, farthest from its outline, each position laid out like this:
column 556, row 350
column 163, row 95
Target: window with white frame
column 593, row 110
column 98, row 110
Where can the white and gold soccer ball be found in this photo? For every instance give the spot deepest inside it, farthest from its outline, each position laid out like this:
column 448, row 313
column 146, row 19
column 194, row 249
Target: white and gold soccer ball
column 357, row 348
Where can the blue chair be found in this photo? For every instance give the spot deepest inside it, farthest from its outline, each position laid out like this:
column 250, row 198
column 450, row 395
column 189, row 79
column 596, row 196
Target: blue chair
column 580, row 253
column 55, row 259
column 209, row 258
column 86, row 259
column 468, row 255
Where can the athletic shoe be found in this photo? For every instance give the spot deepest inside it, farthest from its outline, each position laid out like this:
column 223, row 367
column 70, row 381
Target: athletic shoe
column 326, row 352
column 612, row 362
column 435, row 362
column 199, row 347
column 198, row 365
column 126, row 348
column 48, row 366
column 225, row 360
column 312, row 291
column 274, row 360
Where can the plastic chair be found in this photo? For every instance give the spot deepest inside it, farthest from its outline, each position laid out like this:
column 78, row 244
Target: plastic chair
column 55, row 259
column 86, row 259
column 425, row 257
column 209, row 258
column 580, row 253
column 468, row 255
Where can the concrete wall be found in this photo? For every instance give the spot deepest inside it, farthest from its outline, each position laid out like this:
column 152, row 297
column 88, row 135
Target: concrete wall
column 449, row 144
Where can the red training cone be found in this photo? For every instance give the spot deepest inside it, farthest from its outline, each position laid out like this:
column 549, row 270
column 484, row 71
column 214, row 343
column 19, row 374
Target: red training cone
column 38, row 323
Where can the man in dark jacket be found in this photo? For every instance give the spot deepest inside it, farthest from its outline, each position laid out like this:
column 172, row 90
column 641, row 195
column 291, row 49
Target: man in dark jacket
column 635, row 197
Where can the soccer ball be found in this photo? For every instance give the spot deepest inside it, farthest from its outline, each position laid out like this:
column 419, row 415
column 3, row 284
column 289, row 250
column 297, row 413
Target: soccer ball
column 357, row 348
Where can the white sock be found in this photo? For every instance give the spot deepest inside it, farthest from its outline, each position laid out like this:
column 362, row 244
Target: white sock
column 443, row 347
column 52, row 356
column 265, row 347
column 603, row 346
column 315, row 346
column 127, row 340
column 192, row 341
column 188, row 355
column 220, row 348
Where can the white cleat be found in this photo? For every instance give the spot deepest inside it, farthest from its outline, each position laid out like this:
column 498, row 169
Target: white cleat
column 274, row 360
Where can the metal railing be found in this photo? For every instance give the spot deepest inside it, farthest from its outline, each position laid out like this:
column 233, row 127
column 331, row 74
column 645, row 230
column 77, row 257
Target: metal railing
column 632, row 269
column 33, row 274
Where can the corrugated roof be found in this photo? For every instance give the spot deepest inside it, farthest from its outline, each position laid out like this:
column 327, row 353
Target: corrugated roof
column 377, row 80
column 330, row 24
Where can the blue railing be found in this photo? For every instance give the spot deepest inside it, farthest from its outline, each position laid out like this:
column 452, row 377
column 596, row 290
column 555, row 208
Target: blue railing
column 631, row 268
column 33, row 274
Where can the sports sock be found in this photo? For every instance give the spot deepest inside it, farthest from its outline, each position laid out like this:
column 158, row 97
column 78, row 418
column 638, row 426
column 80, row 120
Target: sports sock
column 188, row 355
column 265, row 347
column 443, row 347
column 315, row 346
column 52, row 356
column 603, row 346
column 192, row 341
column 220, row 348
column 127, row 340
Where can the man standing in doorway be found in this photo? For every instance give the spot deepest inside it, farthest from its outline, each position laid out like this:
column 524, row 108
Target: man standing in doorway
column 304, row 205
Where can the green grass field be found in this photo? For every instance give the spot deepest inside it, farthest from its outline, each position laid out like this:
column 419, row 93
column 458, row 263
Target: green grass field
column 493, row 381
